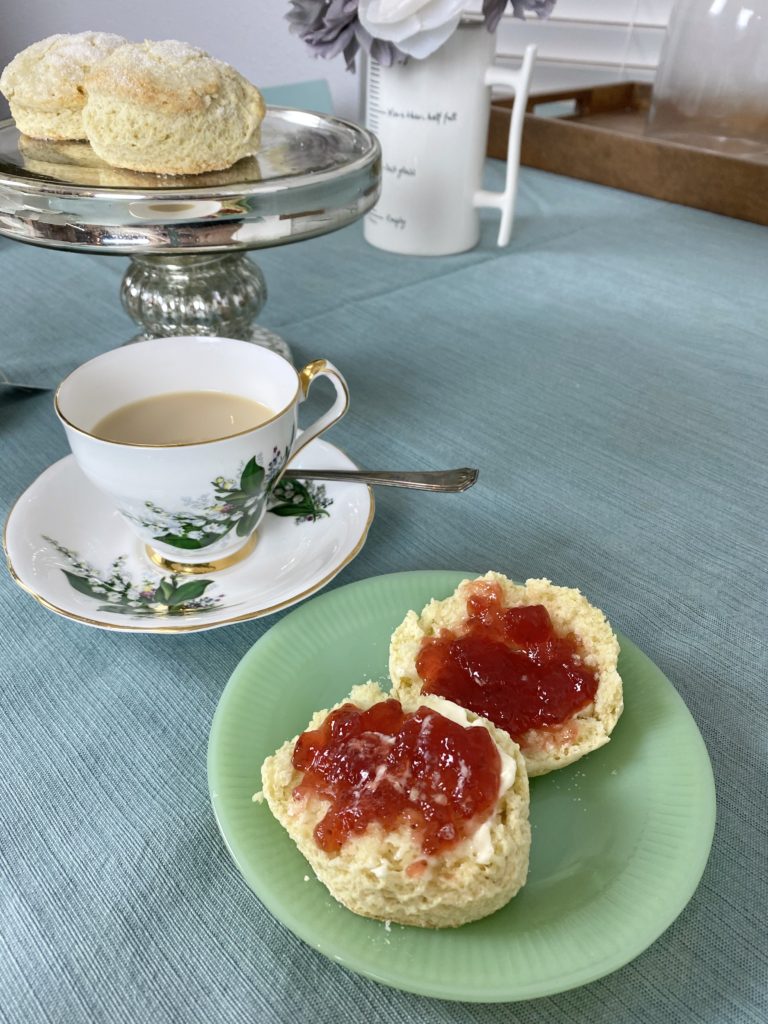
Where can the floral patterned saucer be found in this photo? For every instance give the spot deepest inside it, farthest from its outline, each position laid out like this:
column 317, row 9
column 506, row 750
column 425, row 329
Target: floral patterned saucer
column 68, row 547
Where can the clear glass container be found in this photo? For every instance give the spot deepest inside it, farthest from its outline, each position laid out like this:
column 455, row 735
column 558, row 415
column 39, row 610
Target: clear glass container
column 711, row 88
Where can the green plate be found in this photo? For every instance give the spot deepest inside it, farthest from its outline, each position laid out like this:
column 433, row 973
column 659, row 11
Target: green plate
column 620, row 838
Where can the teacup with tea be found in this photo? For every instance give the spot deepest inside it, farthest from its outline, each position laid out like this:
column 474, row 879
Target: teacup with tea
column 188, row 436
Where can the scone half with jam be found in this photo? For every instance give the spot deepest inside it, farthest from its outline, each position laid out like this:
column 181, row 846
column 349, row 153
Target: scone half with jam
column 537, row 660
column 415, row 813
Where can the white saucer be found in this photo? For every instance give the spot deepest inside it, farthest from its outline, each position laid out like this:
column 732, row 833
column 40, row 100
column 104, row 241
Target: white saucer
column 67, row 547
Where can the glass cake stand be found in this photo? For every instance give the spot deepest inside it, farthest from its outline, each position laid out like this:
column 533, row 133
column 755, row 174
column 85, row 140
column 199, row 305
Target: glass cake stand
column 188, row 236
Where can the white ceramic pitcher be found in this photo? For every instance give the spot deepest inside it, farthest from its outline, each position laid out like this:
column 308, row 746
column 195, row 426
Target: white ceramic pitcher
column 431, row 117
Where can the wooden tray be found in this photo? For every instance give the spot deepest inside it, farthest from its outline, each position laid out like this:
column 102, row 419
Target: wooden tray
column 604, row 141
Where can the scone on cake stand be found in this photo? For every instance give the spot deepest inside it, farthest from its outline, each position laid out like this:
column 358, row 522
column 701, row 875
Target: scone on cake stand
column 188, row 236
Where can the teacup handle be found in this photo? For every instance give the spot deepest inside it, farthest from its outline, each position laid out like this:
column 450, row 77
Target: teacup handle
column 520, row 82
column 321, row 368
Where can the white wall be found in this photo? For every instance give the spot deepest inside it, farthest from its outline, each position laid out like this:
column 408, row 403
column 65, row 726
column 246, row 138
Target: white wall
column 250, row 34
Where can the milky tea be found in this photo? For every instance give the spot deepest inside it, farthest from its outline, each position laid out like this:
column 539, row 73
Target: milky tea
column 182, row 417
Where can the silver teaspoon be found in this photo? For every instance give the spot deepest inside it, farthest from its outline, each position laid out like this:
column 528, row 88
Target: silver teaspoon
column 431, row 480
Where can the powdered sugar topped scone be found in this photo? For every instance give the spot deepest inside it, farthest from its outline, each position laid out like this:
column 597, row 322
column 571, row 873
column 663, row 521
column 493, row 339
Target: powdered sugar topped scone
column 44, row 84
column 414, row 813
column 538, row 660
column 169, row 108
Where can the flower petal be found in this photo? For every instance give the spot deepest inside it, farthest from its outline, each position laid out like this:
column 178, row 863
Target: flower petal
column 432, row 14
column 422, row 44
column 392, row 11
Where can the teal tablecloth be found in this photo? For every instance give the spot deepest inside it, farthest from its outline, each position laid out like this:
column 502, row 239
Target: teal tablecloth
column 607, row 373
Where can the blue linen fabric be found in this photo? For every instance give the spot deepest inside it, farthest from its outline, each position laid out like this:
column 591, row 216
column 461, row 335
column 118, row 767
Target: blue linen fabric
column 607, row 373
column 314, row 95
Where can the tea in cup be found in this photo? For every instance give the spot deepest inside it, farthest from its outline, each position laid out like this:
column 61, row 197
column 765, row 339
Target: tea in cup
column 187, row 435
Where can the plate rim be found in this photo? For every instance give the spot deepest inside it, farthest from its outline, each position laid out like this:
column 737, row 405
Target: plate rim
column 577, row 978
column 267, row 187
column 192, row 628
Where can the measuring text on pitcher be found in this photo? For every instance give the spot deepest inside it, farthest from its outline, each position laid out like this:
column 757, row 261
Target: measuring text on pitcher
column 400, row 172
column 434, row 117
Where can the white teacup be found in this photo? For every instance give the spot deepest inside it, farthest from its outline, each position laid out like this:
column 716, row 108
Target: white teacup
column 195, row 505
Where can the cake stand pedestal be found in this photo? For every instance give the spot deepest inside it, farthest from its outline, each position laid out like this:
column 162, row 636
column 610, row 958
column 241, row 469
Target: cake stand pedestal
column 219, row 294
column 188, row 237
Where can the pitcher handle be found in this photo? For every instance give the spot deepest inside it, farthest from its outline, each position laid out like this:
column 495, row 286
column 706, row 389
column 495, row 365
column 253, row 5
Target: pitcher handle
column 519, row 81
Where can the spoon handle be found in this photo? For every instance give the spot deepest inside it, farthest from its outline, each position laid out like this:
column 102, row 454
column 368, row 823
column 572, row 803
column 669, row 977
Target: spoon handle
column 432, row 480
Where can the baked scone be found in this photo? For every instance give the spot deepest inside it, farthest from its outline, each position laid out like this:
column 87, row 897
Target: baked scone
column 44, row 84
column 547, row 674
column 390, row 870
column 169, row 108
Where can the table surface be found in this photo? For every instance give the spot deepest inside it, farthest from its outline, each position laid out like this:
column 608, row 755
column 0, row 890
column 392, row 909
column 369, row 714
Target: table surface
column 607, row 373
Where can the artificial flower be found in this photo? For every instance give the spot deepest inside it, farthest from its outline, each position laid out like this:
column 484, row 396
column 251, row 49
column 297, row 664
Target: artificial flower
column 331, row 27
column 416, row 27
column 391, row 31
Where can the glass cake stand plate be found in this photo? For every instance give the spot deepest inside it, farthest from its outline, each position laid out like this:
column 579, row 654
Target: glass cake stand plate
column 187, row 235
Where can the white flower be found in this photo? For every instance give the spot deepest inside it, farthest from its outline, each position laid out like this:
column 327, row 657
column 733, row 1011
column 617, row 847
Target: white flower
column 195, row 534
column 417, row 27
column 113, row 598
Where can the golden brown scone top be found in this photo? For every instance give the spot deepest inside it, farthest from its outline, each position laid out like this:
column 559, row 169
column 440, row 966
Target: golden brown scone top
column 164, row 74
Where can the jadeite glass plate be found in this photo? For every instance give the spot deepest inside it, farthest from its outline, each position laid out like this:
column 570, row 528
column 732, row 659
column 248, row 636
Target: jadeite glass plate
column 620, row 839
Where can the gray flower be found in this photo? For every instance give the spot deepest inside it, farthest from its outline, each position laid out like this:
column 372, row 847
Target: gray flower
column 493, row 10
column 331, row 27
